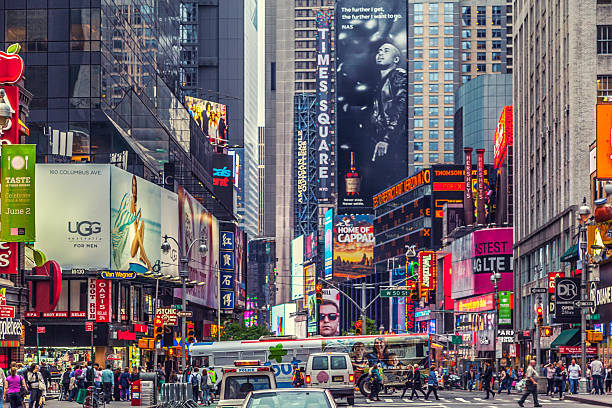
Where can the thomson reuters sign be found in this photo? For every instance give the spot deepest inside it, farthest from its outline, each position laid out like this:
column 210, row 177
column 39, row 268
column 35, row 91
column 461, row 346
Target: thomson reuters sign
column 427, row 270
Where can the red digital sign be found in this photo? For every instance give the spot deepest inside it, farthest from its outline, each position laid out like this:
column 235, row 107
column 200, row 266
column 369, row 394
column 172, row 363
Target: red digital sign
column 503, row 136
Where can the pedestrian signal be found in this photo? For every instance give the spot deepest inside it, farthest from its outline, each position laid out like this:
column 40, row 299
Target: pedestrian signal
column 545, row 331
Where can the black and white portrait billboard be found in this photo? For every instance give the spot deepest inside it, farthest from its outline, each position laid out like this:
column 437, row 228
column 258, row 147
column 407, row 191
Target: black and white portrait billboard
column 371, row 90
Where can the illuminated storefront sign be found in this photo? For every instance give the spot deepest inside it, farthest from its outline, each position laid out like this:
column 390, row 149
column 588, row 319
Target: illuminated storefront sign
column 424, row 177
column 476, row 304
column 503, row 136
column 427, row 270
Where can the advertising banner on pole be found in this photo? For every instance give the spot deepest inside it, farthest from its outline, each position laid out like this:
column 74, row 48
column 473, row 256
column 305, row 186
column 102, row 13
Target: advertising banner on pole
column 297, row 268
column 91, row 298
column 567, row 291
column 427, row 270
column 227, row 269
column 311, row 328
column 103, row 301
column 325, row 134
column 505, row 308
column 309, row 280
column 371, row 90
column 18, row 171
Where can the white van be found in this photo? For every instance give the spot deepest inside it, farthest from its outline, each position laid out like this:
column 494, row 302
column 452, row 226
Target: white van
column 333, row 372
column 244, row 377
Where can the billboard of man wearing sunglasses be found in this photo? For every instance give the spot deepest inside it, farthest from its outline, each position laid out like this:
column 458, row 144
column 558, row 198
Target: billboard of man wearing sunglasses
column 329, row 314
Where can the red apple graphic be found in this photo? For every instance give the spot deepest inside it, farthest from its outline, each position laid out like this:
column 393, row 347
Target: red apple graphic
column 45, row 291
column 11, row 68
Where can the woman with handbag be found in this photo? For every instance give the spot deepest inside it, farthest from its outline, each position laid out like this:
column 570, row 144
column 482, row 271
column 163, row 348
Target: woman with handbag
column 36, row 385
column 15, row 388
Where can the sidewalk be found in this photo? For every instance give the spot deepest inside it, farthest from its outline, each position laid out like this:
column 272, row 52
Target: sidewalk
column 591, row 399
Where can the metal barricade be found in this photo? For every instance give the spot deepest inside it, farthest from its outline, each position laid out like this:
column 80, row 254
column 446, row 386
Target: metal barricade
column 177, row 392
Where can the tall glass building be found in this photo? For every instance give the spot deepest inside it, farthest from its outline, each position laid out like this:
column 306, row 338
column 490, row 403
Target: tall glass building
column 104, row 74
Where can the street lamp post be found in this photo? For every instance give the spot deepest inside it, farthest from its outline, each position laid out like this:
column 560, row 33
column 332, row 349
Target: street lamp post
column 495, row 277
column 584, row 211
column 183, row 274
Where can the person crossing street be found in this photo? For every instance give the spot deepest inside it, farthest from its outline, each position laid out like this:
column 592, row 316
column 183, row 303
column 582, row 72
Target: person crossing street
column 487, row 376
column 432, row 383
column 531, row 387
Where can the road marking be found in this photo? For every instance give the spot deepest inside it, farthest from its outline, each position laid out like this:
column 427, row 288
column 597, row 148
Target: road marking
column 388, row 400
column 461, row 399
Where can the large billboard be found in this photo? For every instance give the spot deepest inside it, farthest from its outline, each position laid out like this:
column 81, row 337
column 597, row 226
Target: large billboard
column 503, row 136
column 325, row 133
column 196, row 222
column 223, row 179
column 74, row 231
column 18, row 191
column 371, row 89
column 297, row 268
column 135, row 222
column 353, row 245
column 170, row 227
column 329, row 313
column 211, row 117
column 309, row 281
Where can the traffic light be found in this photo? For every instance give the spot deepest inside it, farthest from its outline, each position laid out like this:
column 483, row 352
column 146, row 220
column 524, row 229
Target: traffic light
column 540, row 315
column 158, row 329
column 319, row 293
column 359, row 327
column 190, row 332
column 415, row 291
column 545, row 331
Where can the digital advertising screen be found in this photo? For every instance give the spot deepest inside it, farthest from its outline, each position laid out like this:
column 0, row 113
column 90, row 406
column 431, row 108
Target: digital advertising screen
column 371, row 90
column 353, row 245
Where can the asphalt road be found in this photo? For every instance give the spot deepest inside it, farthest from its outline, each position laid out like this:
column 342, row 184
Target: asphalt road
column 460, row 399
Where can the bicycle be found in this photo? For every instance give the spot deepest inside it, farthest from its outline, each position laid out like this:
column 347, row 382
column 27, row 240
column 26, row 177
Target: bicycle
column 94, row 398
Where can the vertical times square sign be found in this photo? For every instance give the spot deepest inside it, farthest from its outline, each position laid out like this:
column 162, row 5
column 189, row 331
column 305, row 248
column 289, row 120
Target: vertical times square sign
column 323, row 85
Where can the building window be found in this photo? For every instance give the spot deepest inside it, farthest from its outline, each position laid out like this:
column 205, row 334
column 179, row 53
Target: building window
column 449, row 30
column 448, row 111
column 465, row 78
column 466, row 33
column 433, row 77
column 604, row 88
column 496, row 56
column 433, row 111
column 418, row 157
column 449, row 88
column 418, row 77
column 448, row 134
column 466, row 45
column 418, row 134
column 418, row 88
column 481, row 67
column 449, row 53
column 433, row 134
column 418, row 100
column 448, row 122
column 496, row 68
column 496, row 33
column 448, row 146
column 418, row 123
column 418, row 30
column 433, row 65
column 481, row 15
column 433, row 88
column 496, row 45
column 449, row 99
column 418, row 54
column 604, row 39
column 448, row 157
column 481, row 45
column 481, row 56
column 433, row 99
column 418, row 42
column 433, row 42
column 449, row 42
column 434, row 30
column 466, row 56
column 433, row 146
column 418, row 111
column 418, row 146
column 418, row 65
column 466, row 15
column 433, row 17
column 449, row 76
column 449, row 65
column 434, row 157
column 433, row 53
column 496, row 15
column 481, row 33
column 433, row 123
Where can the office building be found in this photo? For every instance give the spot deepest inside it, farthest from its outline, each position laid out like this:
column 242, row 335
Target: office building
column 449, row 43
column 560, row 71
column 478, row 105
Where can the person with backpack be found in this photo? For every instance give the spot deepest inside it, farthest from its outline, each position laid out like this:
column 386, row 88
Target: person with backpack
column 213, row 379
column 90, row 375
column 194, row 379
column 297, row 380
column 375, row 380
column 66, row 382
column 206, row 386
column 124, row 384
column 432, row 383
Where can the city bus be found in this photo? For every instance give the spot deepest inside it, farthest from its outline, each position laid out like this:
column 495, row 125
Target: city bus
column 284, row 351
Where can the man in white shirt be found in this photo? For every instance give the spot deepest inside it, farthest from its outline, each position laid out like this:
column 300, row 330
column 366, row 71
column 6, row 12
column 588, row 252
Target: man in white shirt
column 597, row 371
column 574, row 375
column 531, row 385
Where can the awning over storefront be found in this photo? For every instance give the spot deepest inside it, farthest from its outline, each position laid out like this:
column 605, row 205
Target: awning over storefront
column 571, row 254
column 570, row 337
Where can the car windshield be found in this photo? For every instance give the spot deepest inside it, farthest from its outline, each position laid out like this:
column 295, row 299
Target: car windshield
column 290, row 399
column 237, row 387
